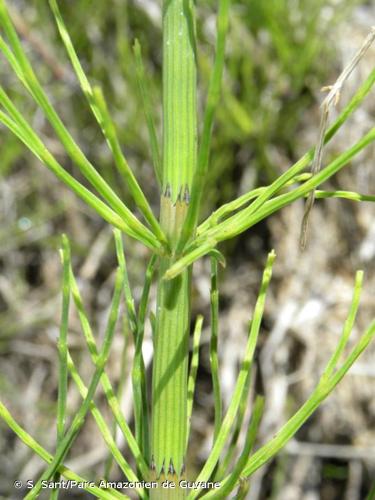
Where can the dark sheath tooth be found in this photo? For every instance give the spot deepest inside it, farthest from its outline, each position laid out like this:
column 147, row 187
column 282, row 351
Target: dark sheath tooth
column 182, row 470
column 187, row 194
column 171, row 470
column 167, row 192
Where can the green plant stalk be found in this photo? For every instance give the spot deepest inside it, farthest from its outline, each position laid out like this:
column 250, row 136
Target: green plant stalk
column 171, row 346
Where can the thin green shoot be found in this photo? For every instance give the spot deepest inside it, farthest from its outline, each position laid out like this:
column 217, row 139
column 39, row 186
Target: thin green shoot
column 238, row 392
column 138, row 370
column 32, row 84
column 105, row 381
column 229, row 455
column 79, row 418
column 194, row 363
column 19, row 126
column 251, row 435
column 147, row 108
column 246, row 218
column 348, row 326
column 102, row 493
column 99, row 108
column 122, row 378
column 346, row 195
column 233, row 206
column 323, row 389
column 103, row 427
column 214, row 360
column 63, row 352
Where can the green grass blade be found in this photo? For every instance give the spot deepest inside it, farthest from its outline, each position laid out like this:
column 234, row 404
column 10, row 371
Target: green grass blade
column 63, row 352
column 194, row 363
column 32, row 84
column 105, row 381
column 213, row 97
column 103, row 427
column 79, row 418
column 231, row 413
column 147, row 108
column 251, row 434
column 105, row 494
column 214, row 360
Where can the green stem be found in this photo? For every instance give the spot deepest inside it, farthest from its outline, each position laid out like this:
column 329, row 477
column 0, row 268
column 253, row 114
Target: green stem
column 169, row 384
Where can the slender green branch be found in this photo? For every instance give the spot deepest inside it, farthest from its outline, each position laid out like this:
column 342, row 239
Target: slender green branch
column 103, row 428
column 224, row 490
column 303, row 162
column 105, row 382
column 346, row 195
column 228, row 457
column 137, row 328
column 348, row 326
column 122, row 378
column 139, row 370
column 63, row 352
column 234, row 205
column 193, row 372
column 247, row 218
column 19, row 127
column 98, row 106
column 320, row 393
column 230, row 416
column 147, row 107
column 214, row 360
column 89, row 486
column 25, row 73
column 79, row 418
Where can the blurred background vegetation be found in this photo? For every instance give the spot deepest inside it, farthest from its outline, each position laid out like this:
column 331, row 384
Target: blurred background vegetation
column 280, row 53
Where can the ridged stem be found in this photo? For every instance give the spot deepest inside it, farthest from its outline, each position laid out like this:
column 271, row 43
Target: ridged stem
column 171, row 340
column 179, row 97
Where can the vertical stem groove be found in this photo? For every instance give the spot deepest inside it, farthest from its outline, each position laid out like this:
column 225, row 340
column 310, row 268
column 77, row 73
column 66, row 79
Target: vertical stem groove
column 169, row 384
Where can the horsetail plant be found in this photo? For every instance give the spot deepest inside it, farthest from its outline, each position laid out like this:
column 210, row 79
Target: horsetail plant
column 175, row 240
